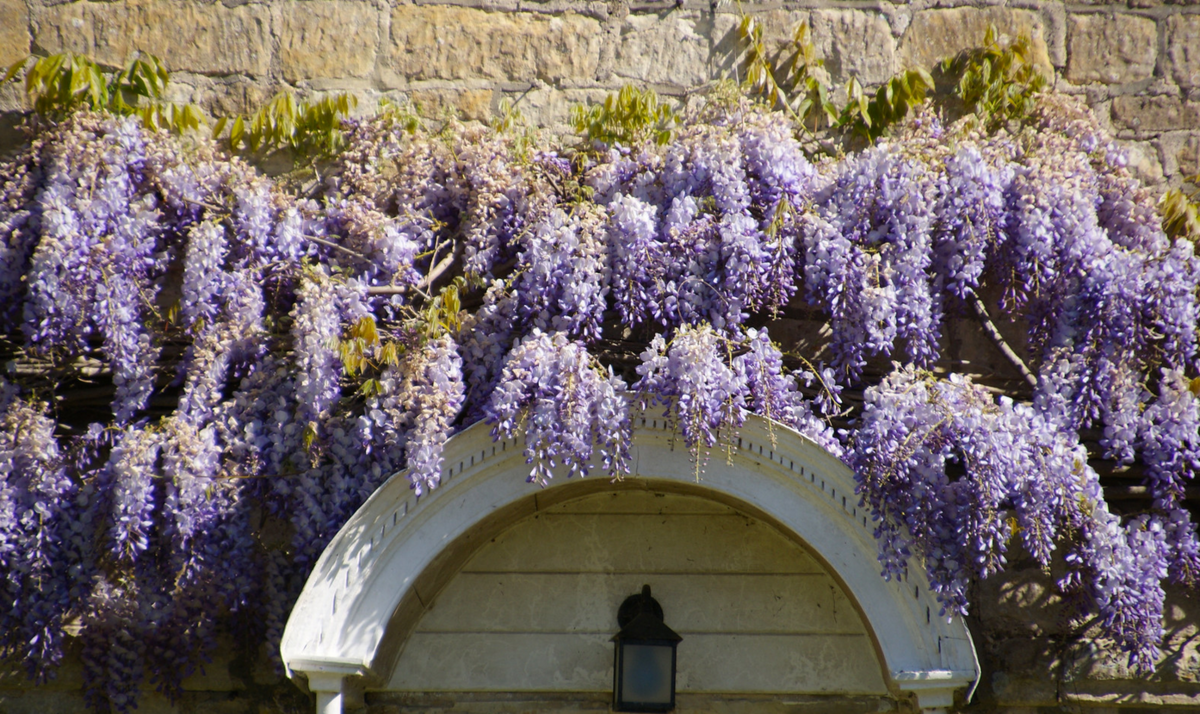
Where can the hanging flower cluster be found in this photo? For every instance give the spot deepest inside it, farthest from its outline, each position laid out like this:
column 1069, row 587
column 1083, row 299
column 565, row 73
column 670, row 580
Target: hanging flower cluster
column 552, row 294
column 953, row 475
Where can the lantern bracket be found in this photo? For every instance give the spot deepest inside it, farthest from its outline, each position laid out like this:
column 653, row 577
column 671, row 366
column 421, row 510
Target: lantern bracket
column 632, row 606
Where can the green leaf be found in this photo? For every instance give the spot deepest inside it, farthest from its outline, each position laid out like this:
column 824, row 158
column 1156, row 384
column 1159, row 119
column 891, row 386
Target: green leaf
column 236, row 132
column 925, row 77
column 14, row 68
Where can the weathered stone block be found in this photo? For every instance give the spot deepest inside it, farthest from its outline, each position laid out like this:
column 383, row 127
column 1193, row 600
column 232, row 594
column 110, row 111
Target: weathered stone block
column 550, row 107
column 936, row 34
column 1183, row 50
column 233, row 96
column 1028, row 671
column 206, row 38
column 324, row 39
column 1155, row 113
column 855, row 43
column 1186, row 154
column 1111, row 48
column 1097, row 673
column 777, row 25
column 1143, row 161
column 430, row 42
column 1021, row 601
column 217, row 675
column 469, row 104
column 673, row 50
column 33, row 701
column 14, row 31
column 12, row 98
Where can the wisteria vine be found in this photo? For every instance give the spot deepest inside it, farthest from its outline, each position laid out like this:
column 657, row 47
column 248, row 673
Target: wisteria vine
column 268, row 360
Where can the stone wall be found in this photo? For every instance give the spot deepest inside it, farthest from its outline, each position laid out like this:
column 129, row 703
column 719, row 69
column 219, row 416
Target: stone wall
column 1137, row 63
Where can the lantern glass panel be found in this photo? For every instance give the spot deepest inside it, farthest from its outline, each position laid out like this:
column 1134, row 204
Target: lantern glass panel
column 646, row 673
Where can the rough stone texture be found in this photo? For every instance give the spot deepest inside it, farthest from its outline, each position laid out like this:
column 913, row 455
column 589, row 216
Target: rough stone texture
column 434, row 42
column 1143, row 161
column 196, row 37
column 1154, row 113
column 1181, row 153
column 219, row 96
column 777, row 25
column 1023, row 600
column 936, row 34
column 465, row 55
column 1095, row 675
column 14, row 31
column 671, row 51
column 1183, row 50
column 1027, row 677
column 321, row 39
column 1113, row 49
column 12, row 98
column 855, row 43
column 551, row 108
column 469, row 104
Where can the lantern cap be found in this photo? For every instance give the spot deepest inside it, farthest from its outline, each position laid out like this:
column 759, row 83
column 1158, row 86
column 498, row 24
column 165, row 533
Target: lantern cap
column 646, row 624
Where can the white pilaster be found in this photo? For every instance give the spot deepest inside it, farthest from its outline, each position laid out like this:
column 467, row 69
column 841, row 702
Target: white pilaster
column 934, row 689
column 336, row 684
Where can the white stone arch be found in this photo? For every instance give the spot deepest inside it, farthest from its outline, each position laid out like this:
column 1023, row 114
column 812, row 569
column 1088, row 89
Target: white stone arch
column 395, row 553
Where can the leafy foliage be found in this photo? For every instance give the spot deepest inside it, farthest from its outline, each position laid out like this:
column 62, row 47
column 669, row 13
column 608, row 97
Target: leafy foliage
column 997, row 83
column 309, row 129
column 1180, row 208
column 799, row 85
column 628, row 118
column 869, row 118
column 64, row 83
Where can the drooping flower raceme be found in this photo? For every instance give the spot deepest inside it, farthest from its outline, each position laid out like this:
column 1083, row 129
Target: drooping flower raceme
column 952, row 475
column 552, row 390
column 213, row 306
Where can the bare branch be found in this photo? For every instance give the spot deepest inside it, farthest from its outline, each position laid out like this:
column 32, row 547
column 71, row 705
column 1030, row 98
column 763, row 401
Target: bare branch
column 440, row 269
column 993, row 333
column 388, row 290
column 335, row 246
column 203, row 204
column 435, row 272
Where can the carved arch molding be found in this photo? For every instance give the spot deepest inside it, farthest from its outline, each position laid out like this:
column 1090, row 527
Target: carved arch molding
column 377, row 576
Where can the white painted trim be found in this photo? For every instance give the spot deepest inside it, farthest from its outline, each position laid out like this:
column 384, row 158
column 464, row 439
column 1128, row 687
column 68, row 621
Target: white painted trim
column 341, row 617
column 337, row 685
column 935, row 689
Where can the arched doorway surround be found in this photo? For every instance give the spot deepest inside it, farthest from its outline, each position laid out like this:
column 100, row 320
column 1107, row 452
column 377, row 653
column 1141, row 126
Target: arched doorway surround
column 385, row 566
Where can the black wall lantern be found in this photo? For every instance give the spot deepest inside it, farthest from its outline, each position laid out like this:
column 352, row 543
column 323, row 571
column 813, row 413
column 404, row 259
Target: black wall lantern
column 644, row 657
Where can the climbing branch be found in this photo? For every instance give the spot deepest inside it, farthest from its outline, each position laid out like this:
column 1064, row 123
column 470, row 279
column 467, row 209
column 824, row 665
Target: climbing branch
column 997, row 339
